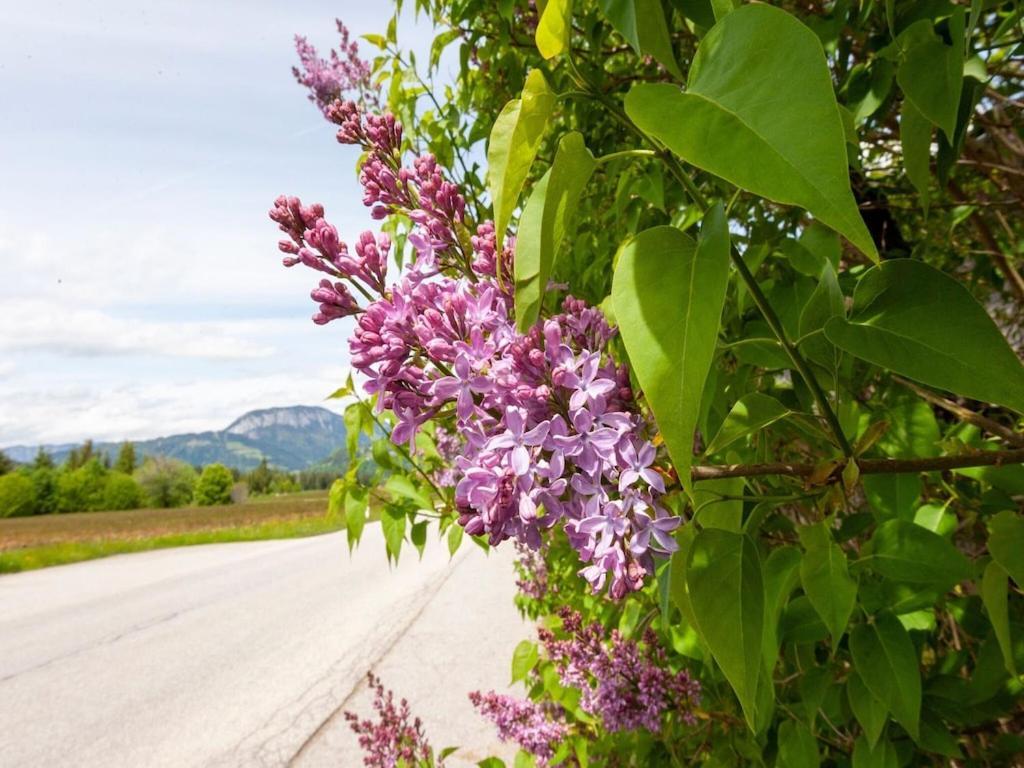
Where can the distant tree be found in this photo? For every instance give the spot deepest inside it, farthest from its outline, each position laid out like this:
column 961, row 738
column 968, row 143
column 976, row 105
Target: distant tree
column 81, row 489
column 45, row 478
column 166, row 482
column 17, row 495
column 126, row 458
column 43, row 460
column 122, row 492
column 79, row 457
column 260, row 479
column 214, row 486
column 6, row 463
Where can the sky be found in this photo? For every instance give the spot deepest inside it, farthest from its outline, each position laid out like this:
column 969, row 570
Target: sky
column 141, row 292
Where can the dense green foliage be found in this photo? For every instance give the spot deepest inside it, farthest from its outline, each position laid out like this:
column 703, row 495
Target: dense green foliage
column 213, row 486
column 166, row 482
column 805, row 218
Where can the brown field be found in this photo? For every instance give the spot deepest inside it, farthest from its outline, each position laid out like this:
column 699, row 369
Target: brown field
column 43, row 530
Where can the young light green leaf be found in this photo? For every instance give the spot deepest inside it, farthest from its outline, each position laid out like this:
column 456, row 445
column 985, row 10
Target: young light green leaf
column 545, row 223
column 554, row 28
column 916, row 141
column 723, row 123
column 513, row 145
column 668, row 294
column 1006, row 544
column 356, row 502
column 392, row 522
column 826, row 579
column 907, row 553
column 751, row 413
column 726, row 590
column 869, row 711
column 454, row 539
column 797, row 747
column 524, row 658
column 402, row 486
column 995, row 595
column 642, row 23
column 825, row 303
column 914, row 320
column 886, row 661
column 931, row 73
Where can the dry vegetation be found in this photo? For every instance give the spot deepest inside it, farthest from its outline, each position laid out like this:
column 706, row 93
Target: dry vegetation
column 33, row 542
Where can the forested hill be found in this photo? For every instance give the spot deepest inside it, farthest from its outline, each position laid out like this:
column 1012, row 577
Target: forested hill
column 291, row 438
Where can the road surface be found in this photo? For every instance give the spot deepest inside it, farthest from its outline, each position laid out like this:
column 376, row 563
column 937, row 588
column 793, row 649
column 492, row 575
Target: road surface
column 246, row 654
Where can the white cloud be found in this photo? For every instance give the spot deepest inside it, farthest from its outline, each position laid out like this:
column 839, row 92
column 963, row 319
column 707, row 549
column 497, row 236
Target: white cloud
column 72, row 411
column 35, row 325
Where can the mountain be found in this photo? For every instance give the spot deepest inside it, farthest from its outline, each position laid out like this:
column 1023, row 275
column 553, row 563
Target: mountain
column 290, row 438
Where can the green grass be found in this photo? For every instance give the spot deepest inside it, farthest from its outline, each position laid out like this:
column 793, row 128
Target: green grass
column 45, row 540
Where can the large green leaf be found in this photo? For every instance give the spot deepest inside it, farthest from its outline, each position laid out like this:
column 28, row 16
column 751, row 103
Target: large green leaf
column 886, row 661
column 513, row 145
column 668, row 293
column 915, row 141
column 553, row 28
column 995, row 595
column 642, row 23
column 760, row 112
column 931, row 73
column 906, row 552
column 712, row 511
column 826, row 579
column 797, row 747
column 544, row 224
column 882, row 755
column 914, row 320
column 725, row 583
column 869, row 711
column 1006, row 544
column 751, row 413
column 892, row 495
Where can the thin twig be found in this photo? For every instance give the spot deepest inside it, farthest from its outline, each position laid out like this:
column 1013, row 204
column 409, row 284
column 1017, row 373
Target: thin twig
column 866, row 466
column 972, row 417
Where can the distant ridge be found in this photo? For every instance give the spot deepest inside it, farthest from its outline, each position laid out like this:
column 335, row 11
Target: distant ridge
column 291, row 438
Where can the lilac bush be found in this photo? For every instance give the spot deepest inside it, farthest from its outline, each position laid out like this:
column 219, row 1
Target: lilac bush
column 394, row 736
column 537, row 728
column 625, row 683
column 344, row 72
column 548, row 431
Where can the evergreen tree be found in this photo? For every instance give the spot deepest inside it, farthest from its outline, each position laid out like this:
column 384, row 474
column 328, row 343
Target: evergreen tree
column 6, row 463
column 126, row 458
column 43, row 460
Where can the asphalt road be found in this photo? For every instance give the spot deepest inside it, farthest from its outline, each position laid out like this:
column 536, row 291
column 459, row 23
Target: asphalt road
column 245, row 654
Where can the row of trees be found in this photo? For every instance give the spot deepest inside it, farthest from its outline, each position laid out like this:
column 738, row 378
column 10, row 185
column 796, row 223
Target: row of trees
column 88, row 480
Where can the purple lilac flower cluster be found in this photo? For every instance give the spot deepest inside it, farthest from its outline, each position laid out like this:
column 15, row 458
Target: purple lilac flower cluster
column 535, row 727
column 394, row 736
column 330, row 79
column 625, row 683
column 547, row 422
